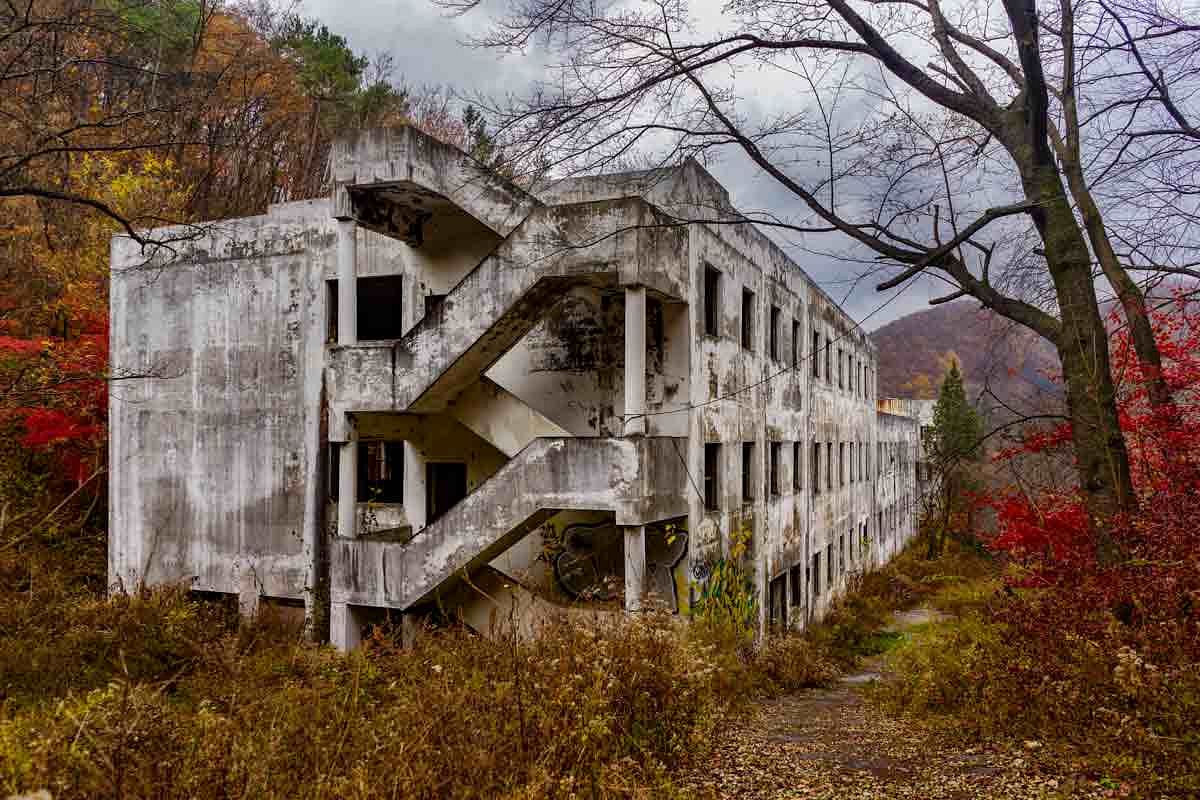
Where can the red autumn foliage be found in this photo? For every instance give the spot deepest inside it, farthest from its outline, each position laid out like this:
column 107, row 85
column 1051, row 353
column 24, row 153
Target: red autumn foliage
column 1140, row 569
column 57, row 395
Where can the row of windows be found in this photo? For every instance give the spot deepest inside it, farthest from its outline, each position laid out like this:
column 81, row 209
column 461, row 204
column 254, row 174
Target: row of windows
column 850, row 549
column 712, row 320
column 853, row 466
column 823, row 569
column 853, row 374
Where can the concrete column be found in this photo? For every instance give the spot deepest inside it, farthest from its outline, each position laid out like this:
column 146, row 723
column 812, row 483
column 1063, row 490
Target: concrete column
column 347, row 299
column 248, row 594
column 345, row 629
column 635, row 360
column 347, row 526
column 635, row 566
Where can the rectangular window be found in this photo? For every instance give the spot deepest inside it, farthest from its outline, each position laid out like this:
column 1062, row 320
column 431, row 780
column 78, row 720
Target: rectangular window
column 829, row 565
column 797, row 467
column 748, row 319
column 331, row 311
column 852, row 463
column 816, row 468
column 712, row 301
column 747, row 471
column 796, row 345
column 841, row 464
column 828, row 356
column 774, row 334
column 381, row 472
column 816, row 575
column 776, row 456
column 829, row 466
column 842, row 554
column 379, row 301
column 778, row 587
column 712, row 470
column 797, row 589
column 841, row 377
column 816, row 355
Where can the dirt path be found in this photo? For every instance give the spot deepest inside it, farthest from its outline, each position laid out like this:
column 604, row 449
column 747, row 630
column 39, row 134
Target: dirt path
column 832, row 743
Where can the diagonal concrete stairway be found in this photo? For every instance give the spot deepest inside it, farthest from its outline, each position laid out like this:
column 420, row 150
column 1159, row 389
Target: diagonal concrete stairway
column 636, row 479
column 497, row 303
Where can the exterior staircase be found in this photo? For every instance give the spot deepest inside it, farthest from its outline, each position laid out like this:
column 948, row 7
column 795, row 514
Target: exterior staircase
column 496, row 304
column 639, row 479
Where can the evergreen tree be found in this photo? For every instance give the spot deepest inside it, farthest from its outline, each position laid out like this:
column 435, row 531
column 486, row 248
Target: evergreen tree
column 954, row 445
column 956, row 425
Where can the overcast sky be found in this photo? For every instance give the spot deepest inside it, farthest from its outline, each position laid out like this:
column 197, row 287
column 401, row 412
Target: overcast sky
column 426, row 45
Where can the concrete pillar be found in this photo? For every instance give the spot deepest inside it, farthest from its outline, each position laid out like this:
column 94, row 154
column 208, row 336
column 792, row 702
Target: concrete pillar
column 347, row 299
column 635, row 566
column 248, row 594
column 345, row 629
column 635, row 360
column 347, row 525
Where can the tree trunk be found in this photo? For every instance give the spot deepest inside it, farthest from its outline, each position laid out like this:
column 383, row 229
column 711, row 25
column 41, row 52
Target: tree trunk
column 1100, row 454
column 1133, row 302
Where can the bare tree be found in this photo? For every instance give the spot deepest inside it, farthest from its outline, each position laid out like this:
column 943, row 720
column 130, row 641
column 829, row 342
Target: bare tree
column 931, row 138
column 82, row 78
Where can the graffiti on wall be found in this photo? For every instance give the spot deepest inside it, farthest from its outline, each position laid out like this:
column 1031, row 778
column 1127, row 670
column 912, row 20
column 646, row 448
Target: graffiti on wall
column 591, row 565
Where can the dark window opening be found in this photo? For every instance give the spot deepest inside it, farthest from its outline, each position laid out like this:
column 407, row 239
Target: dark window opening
column 829, row 466
column 816, row 468
column 796, row 344
column 776, row 455
column 816, row 575
column 775, row 355
column 828, row 363
column 712, row 466
column 841, row 464
column 829, row 565
column 747, row 471
column 778, row 589
column 380, row 471
column 379, row 302
column 331, row 311
column 445, row 485
column 842, row 554
column 841, row 379
column 748, row 319
column 432, row 301
column 797, row 589
column 797, row 467
column 712, row 301
column 816, row 355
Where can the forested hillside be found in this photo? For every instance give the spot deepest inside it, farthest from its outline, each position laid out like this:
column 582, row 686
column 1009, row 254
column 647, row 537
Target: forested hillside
column 996, row 356
column 124, row 117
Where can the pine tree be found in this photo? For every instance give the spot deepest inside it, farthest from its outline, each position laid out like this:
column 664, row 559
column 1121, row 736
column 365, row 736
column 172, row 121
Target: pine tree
column 955, row 445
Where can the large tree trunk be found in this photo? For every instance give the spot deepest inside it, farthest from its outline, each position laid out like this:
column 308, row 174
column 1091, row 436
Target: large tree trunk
column 1082, row 342
column 1100, row 454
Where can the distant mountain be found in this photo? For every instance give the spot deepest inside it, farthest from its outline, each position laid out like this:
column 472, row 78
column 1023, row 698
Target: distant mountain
column 996, row 356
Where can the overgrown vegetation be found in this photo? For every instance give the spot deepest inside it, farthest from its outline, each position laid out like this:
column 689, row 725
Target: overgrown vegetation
column 165, row 695
column 1090, row 645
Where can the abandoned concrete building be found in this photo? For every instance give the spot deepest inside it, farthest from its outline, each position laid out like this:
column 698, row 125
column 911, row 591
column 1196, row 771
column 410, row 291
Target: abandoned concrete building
column 435, row 392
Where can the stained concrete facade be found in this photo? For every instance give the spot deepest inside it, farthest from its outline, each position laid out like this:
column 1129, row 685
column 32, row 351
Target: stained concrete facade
column 531, row 398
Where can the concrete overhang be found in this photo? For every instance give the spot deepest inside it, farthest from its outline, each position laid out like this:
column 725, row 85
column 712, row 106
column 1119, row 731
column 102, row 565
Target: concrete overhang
column 397, row 181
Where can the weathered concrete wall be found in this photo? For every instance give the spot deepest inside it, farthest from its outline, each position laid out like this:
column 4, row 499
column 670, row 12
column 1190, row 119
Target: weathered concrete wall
column 214, row 460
